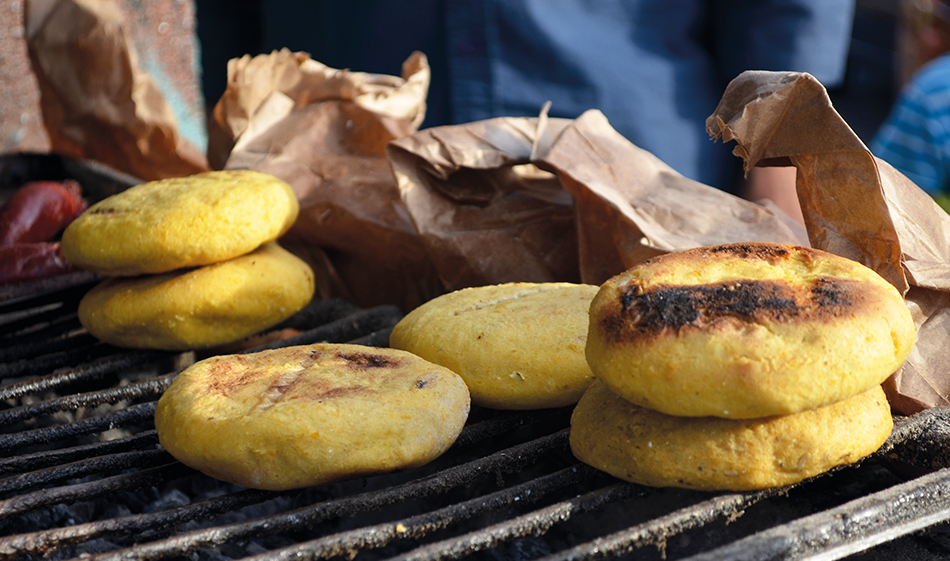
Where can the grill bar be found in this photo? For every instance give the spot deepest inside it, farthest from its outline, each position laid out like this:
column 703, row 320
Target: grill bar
column 319, row 312
column 851, row 527
column 460, row 502
column 507, row 461
column 135, row 413
column 922, row 440
column 148, row 388
column 658, row 530
column 84, row 491
column 46, row 363
column 52, row 330
column 97, row 370
column 37, row 348
column 102, row 464
column 375, row 339
column 46, row 542
column 65, row 290
column 343, row 329
column 416, row 527
column 534, row 523
column 40, row 460
column 50, row 541
column 53, row 313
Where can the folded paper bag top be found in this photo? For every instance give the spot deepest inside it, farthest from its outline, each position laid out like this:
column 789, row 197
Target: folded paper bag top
column 479, row 203
column 542, row 199
column 854, row 205
column 324, row 131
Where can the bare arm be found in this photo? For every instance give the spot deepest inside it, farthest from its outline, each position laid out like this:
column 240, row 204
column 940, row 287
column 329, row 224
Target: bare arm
column 776, row 184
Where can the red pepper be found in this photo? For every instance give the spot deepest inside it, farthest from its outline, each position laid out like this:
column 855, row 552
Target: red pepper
column 32, row 261
column 37, row 211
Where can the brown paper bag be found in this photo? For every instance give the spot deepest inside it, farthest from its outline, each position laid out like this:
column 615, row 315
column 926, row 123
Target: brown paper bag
column 483, row 216
column 855, row 205
column 324, row 131
column 539, row 199
column 96, row 102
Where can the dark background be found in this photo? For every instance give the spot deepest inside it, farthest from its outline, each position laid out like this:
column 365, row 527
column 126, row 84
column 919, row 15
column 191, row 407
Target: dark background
column 232, row 28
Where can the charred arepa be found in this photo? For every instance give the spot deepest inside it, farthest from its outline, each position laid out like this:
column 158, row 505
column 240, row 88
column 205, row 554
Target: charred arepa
column 746, row 330
column 516, row 345
column 302, row 416
column 182, row 222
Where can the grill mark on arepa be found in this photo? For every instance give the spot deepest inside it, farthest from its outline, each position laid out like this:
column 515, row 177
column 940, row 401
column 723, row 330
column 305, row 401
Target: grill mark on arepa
column 773, row 300
column 368, row 360
column 229, row 376
column 489, row 302
column 277, row 389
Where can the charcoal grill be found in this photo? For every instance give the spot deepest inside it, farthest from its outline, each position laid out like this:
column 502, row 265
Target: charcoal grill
column 82, row 475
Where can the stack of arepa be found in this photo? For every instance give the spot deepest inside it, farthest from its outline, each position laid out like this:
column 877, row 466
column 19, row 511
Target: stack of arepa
column 193, row 262
column 739, row 367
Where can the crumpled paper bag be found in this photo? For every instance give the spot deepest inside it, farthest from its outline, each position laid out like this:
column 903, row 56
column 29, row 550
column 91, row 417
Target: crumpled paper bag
column 854, row 205
column 324, row 131
column 544, row 199
column 96, row 102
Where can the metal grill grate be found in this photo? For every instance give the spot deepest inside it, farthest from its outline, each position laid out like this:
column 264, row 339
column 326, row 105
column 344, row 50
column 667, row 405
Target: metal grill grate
column 83, row 475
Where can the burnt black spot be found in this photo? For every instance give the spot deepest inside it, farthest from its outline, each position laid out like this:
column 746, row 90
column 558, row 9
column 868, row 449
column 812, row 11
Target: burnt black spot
column 686, row 305
column 751, row 250
column 673, row 306
column 830, row 292
column 749, row 299
column 646, row 314
column 630, row 295
column 367, row 360
column 420, row 384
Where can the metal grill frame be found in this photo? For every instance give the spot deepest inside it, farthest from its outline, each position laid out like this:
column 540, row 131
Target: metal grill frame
column 43, row 480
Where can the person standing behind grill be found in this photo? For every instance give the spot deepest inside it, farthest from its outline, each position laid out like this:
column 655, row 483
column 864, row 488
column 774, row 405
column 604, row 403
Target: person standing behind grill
column 915, row 136
column 655, row 68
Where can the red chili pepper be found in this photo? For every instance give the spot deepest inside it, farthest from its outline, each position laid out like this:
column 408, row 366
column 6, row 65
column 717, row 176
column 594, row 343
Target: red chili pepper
column 31, row 261
column 39, row 210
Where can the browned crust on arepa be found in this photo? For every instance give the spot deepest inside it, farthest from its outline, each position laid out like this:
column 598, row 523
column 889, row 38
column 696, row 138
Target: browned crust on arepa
column 640, row 315
column 306, row 415
column 746, row 330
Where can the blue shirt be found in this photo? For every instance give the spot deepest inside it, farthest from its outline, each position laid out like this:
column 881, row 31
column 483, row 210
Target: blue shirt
column 915, row 137
column 655, row 68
